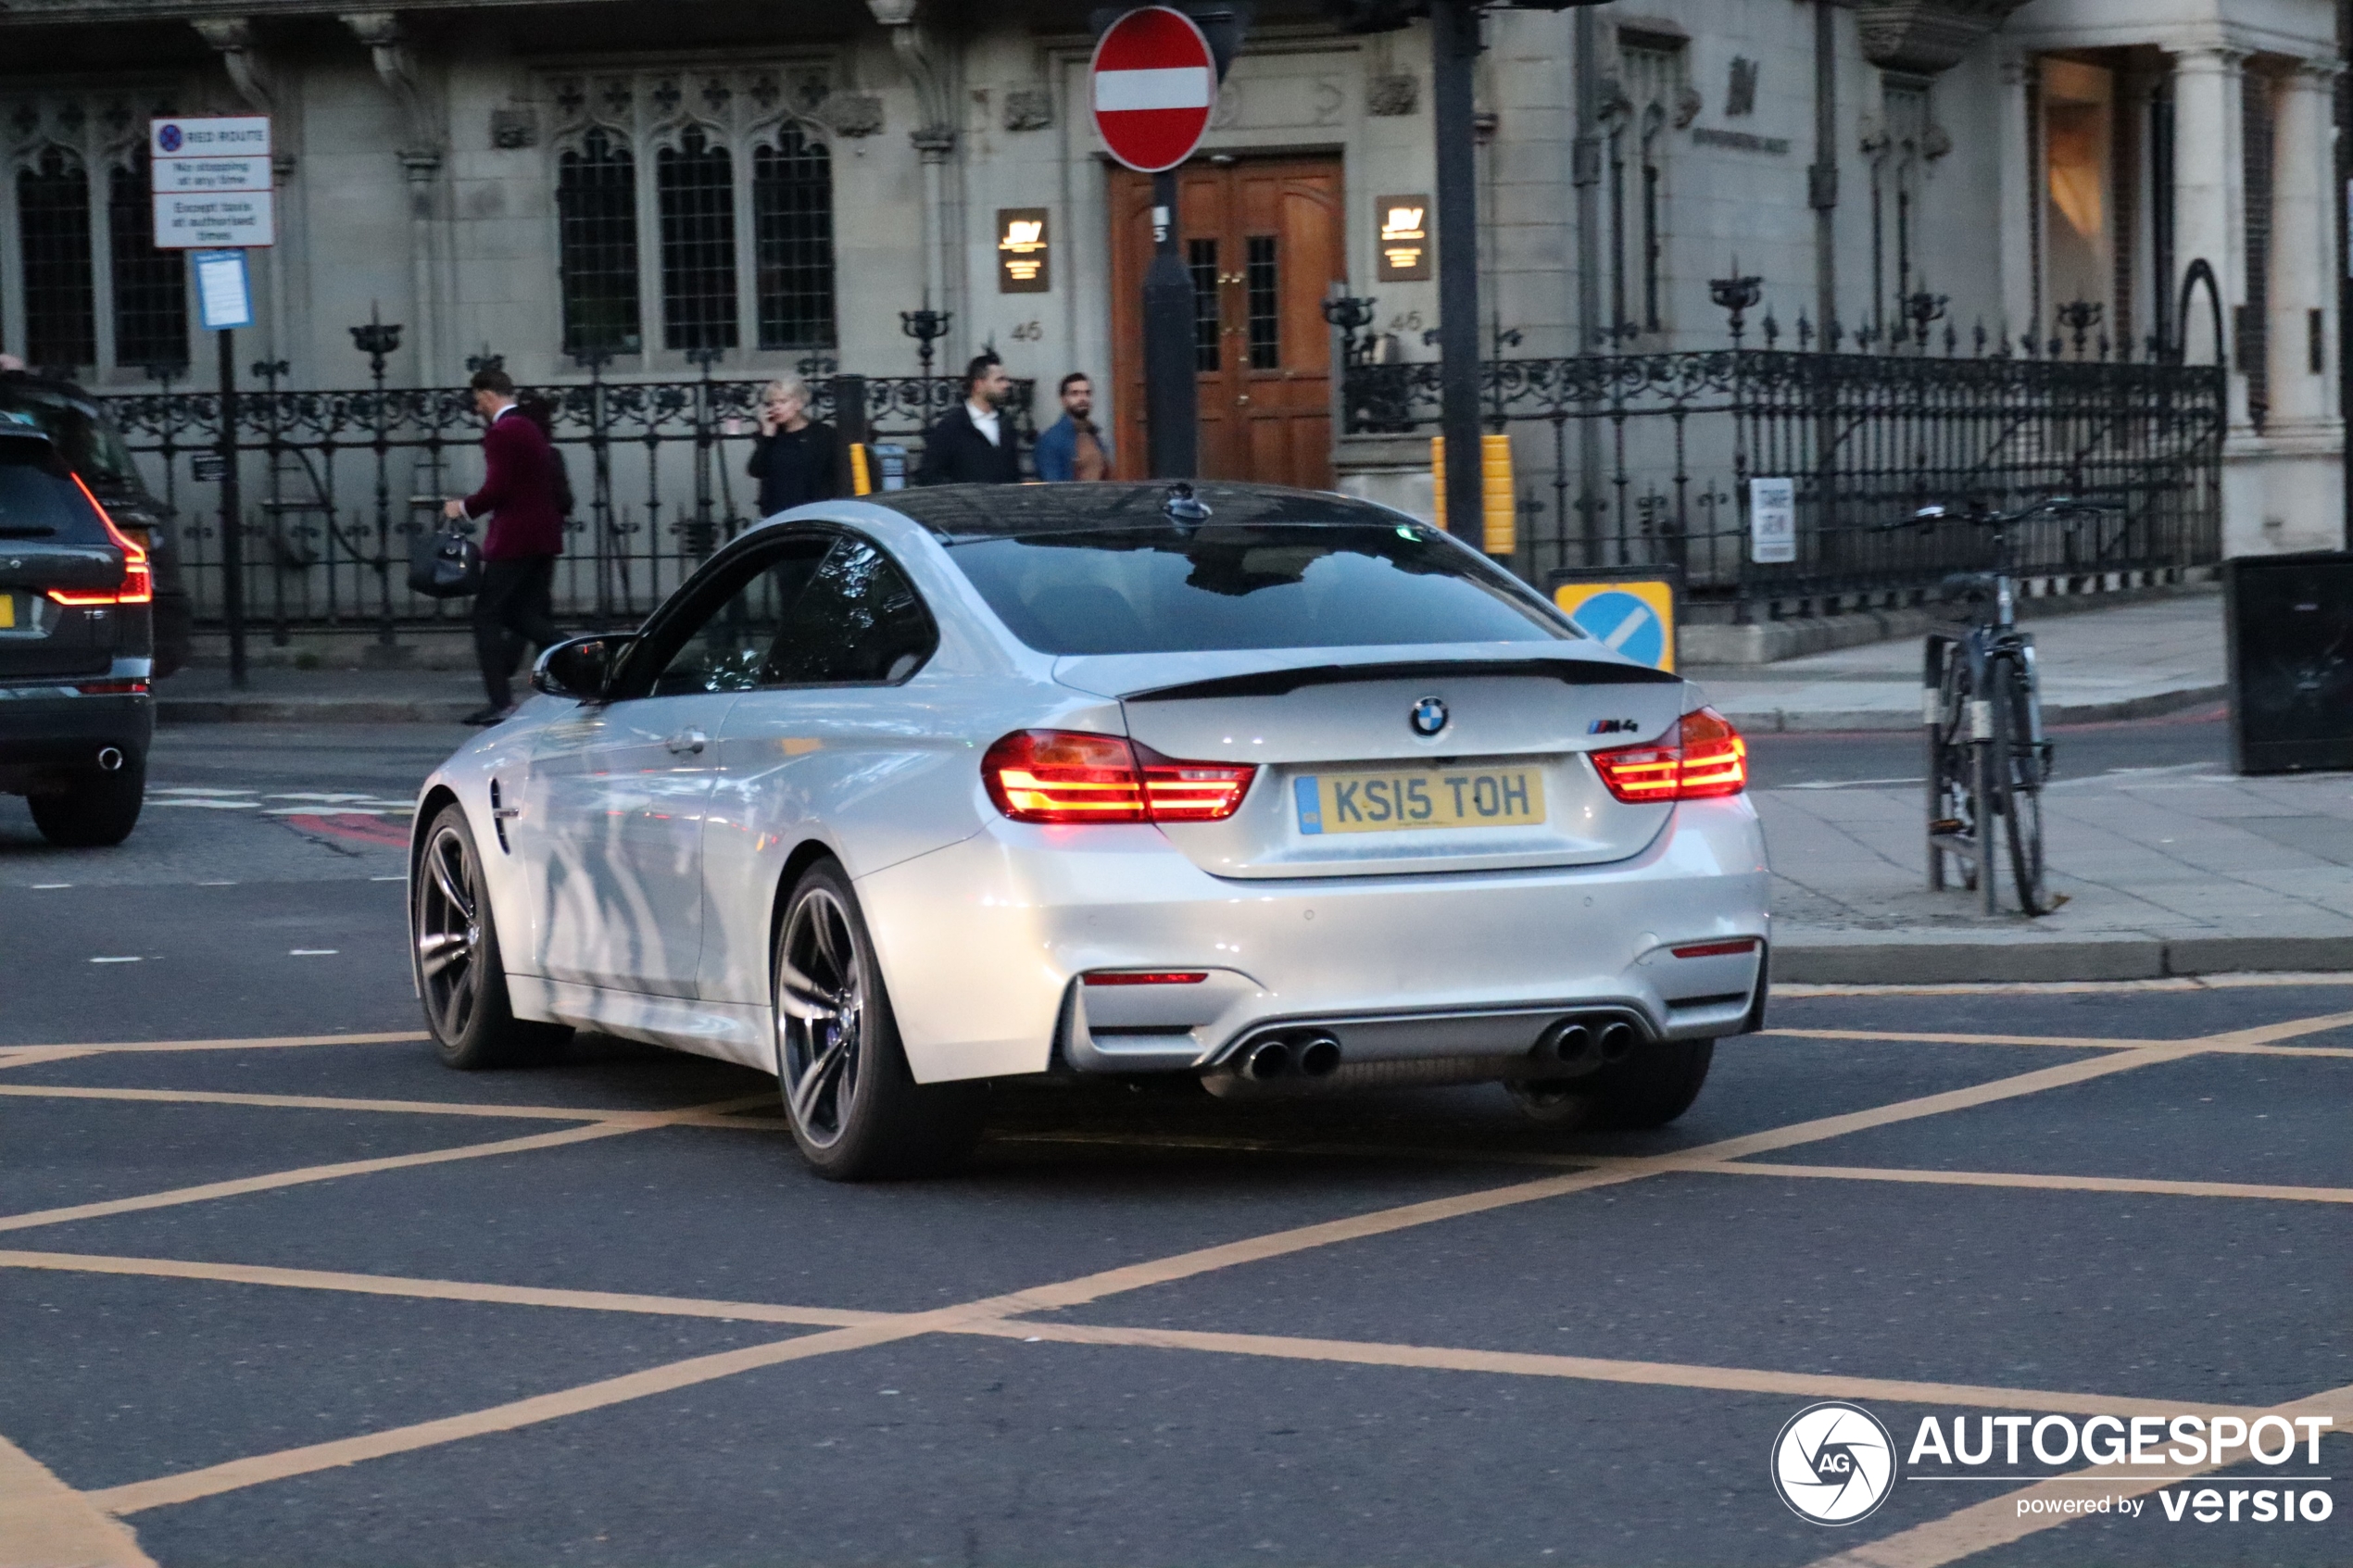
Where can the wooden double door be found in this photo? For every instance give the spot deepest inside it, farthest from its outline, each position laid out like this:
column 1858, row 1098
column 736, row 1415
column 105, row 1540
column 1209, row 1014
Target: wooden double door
column 1261, row 238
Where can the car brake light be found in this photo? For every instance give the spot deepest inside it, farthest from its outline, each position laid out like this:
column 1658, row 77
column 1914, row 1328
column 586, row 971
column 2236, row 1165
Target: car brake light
column 1136, row 977
column 1708, row 760
column 1067, row 776
column 138, row 586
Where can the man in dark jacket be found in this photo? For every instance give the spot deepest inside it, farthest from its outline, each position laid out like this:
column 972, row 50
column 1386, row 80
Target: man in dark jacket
column 1072, row 449
column 974, row 443
column 517, row 495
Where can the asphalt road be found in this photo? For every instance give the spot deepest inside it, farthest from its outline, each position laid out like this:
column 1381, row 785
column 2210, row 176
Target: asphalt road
column 301, row 1296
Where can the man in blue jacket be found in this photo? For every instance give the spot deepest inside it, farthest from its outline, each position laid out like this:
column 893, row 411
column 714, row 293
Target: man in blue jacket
column 1072, row 447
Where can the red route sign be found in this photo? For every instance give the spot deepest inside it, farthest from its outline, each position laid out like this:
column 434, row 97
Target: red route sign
column 1155, row 84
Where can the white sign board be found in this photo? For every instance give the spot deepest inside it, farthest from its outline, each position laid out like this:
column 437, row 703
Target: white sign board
column 211, row 174
column 217, row 136
column 205, row 222
column 1772, row 521
column 224, row 296
column 212, row 182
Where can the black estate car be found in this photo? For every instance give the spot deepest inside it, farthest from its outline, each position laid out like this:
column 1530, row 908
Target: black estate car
column 88, row 441
column 77, row 643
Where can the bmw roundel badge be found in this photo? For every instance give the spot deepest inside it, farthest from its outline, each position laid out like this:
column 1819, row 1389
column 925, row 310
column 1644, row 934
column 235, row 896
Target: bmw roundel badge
column 1428, row 716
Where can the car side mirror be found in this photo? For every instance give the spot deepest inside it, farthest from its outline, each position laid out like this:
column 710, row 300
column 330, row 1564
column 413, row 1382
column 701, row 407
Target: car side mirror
column 581, row 667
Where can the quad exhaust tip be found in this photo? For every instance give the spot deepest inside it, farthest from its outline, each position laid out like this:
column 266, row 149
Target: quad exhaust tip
column 110, row 760
column 1268, row 1058
column 1588, row 1044
column 1310, row 1055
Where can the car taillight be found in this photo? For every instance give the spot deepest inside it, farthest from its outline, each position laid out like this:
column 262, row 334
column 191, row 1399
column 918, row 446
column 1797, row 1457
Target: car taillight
column 138, row 575
column 1707, row 759
column 1066, row 777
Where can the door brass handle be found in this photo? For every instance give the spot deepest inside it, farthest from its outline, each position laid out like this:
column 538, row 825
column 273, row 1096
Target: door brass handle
column 1243, row 401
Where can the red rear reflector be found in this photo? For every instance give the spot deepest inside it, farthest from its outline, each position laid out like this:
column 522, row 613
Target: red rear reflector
column 111, row 688
column 1709, row 758
column 1716, row 950
column 138, row 576
column 1136, row 977
column 1067, row 776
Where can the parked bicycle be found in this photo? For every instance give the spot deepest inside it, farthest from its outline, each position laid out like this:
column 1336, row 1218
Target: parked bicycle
column 1980, row 703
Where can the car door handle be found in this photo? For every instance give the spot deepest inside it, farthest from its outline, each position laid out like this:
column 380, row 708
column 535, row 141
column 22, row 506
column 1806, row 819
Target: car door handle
column 687, row 743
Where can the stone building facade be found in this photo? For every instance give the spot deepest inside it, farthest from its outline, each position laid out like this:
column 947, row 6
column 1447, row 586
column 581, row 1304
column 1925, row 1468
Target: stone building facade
column 775, row 182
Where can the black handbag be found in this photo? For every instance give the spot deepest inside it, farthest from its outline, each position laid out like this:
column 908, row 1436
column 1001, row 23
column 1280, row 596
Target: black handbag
column 445, row 564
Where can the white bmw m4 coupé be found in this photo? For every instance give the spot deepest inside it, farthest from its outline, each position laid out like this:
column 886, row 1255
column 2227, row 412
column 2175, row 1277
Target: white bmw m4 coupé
column 1282, row 791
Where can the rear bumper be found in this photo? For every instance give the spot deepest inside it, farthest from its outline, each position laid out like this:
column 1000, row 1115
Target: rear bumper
column 983, row 945
column 50, row 731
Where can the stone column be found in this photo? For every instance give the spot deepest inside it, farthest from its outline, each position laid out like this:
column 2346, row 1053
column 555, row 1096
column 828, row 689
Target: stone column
column 233, row 38
column 2020, row 191
column 420, row 161
column 934, row 140
column 2209, row 206
column 2304, row 265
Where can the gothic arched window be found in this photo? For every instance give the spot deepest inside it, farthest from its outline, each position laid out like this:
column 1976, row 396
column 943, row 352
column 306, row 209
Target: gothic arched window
column 792, row 207
column 53, row 228
column 597, row 246
column 696, row 187
column 150, row 285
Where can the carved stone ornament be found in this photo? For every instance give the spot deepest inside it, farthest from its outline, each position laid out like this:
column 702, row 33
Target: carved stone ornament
column 513, row 129
column 1926, row 37
column 1028, row 108
column 1687, row 106
column 853, row 114
column 1399, row 93
column 1935, row 141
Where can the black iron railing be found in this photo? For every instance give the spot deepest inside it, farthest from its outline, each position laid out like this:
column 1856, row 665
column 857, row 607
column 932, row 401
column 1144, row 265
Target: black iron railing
column 1648, row 459
column 337, row 483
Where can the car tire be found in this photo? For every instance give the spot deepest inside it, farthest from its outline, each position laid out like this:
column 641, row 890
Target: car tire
column 97, row 812
column 855, row 1109
column 1650, row 1088
column 453, row 943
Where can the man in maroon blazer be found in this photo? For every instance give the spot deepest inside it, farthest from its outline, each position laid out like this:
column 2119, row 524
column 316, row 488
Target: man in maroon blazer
column 518, row 496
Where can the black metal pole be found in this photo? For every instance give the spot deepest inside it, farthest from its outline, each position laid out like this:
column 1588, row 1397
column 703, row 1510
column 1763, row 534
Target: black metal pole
column 1454, row 46
column 1172, row 400
column 232, row 544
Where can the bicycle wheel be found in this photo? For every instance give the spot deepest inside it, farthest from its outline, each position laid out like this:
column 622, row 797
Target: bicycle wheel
column 2017, row 778
column 1952, row 773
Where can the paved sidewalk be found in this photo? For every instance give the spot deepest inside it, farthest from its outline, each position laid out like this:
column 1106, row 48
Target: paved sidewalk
column 2128, row 662
column 275, row 694
column 2167, row 871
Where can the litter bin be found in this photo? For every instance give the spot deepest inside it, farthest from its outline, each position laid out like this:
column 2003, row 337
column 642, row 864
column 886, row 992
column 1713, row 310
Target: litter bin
column 2288, row 628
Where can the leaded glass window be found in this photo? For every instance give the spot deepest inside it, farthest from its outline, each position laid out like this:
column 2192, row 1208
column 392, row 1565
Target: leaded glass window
column 695, row 183
column 597, row 262
column 150, row 285
column 53, row 226
column 792, row 212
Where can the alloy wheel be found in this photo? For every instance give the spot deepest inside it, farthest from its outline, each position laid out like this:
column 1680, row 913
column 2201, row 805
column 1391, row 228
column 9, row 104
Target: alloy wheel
column 449, row 934
column 821, row 1016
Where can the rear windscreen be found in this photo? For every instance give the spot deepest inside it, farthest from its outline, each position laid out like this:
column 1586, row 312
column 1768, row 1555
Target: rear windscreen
column 1155, row 590
column 89, row 443
column 39, row 499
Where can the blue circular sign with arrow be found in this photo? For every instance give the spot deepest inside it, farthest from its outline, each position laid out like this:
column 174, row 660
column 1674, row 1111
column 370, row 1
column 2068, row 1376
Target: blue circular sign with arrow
column 1625, row 623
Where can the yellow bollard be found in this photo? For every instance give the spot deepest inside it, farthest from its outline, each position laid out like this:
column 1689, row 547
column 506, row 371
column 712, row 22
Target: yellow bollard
column 860, row 485
column 1499, row 511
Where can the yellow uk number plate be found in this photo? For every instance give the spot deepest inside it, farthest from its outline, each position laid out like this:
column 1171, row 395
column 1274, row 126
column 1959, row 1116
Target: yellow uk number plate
column 7, row 612
column 1425, row 797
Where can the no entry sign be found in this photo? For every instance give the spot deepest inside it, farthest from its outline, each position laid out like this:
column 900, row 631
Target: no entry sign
column 1155, row 83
